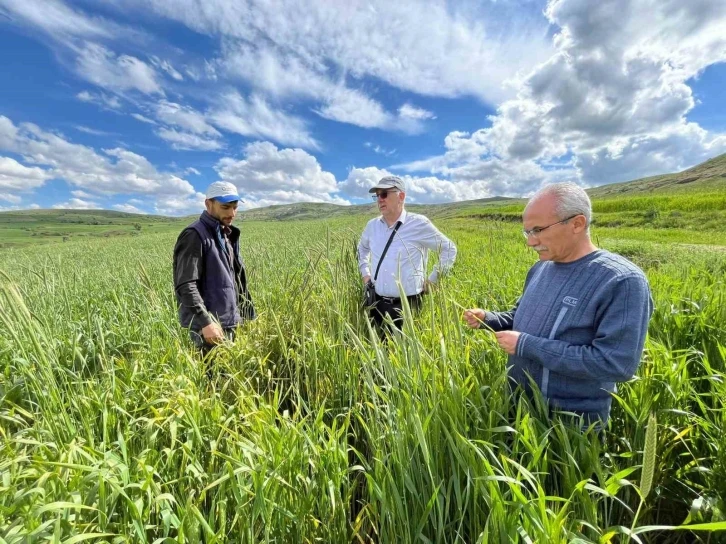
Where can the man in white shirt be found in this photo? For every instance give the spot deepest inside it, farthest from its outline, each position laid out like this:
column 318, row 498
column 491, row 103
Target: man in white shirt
column 406, row 258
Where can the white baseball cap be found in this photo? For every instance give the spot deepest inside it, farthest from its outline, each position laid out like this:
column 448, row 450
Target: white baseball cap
column 223, row 191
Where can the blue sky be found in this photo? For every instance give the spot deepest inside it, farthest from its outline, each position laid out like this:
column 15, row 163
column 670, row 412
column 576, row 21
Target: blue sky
column 138, row 105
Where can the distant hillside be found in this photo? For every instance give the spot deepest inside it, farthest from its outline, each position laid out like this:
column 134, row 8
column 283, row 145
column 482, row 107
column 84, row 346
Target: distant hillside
column 709, row 176
column 42, row 226
column 694, row 198
column 302, row 210
column 81, row 217
column 307, row 210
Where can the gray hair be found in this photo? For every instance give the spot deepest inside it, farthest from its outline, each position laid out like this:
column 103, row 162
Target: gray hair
column 570, row 199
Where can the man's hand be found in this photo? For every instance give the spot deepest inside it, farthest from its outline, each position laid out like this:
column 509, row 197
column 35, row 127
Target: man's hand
column 508, row 340
column 474, row 317
column 366, row 279
column 212, row 334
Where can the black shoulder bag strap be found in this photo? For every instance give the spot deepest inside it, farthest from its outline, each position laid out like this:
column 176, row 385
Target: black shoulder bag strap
column 385, row 250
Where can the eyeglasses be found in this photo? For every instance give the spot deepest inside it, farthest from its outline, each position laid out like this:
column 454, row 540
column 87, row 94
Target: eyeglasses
column 536, row 231
column 382, row 194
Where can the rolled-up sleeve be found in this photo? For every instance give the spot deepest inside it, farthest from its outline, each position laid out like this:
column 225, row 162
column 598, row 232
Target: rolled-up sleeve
column 434, row 240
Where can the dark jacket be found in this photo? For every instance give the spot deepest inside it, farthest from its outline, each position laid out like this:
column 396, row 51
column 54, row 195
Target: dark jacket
column 208, row 286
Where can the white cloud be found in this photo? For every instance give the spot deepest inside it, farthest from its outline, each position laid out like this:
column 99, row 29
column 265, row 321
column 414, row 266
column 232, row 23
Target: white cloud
column 271, row 175
column 56, row 18
column 379, row 150
column 128, row 208
column 93, row 131
column 614, row 97
column 167, row 67
column 82, row 194
column 192, row 170
column 180, row 205
column 104, row 68
column 408, row 111
column 186, row 140
column 17, row 177
column 77, row 204
column 430, row 47
column 100, row 99
column 347, row 106
column 13, row 199
column 255, row 118
column 184, row 117
column 143, row 119
column 432, row 189
column 115, row 171
column 286, row 75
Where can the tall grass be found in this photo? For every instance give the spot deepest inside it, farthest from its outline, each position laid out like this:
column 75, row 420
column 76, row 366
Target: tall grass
column 311, row 430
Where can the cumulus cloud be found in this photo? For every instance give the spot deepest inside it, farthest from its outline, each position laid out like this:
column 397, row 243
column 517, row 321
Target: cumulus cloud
column 17, row 177
column 267, row 174
column 180, row 205
column 113, row 171
column 360, row 180
column 128, row 208
column 493, row 181
column 77, row 204
column 82, row 194
column 13, row 199
column 614, row 96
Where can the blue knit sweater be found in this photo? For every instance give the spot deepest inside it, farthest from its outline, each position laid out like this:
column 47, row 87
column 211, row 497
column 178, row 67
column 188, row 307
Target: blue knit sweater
column 583, row 326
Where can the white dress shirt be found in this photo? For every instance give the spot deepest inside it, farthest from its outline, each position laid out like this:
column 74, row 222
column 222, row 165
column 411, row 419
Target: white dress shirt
column 407, row 256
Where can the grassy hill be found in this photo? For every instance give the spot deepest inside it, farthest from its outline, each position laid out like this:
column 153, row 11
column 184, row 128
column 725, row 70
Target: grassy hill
column 709, row 176
column 309, row 210
column 33, row 226
column 690, row 201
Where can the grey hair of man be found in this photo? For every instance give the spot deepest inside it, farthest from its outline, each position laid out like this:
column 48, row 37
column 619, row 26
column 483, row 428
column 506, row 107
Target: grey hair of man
column 570, row 200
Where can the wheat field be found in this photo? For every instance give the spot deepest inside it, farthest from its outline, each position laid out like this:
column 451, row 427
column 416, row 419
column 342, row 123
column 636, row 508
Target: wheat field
column 311, row 430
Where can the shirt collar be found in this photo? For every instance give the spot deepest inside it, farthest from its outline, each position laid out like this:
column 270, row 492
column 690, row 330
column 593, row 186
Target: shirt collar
column 401, row 218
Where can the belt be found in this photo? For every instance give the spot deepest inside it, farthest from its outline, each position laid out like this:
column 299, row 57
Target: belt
column 397, row 299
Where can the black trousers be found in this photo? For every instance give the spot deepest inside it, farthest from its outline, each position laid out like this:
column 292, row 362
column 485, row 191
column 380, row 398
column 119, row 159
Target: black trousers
column 389, row 306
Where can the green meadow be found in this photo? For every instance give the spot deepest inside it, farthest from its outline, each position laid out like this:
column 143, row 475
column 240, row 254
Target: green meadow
column 310, row 429
column 313, row 431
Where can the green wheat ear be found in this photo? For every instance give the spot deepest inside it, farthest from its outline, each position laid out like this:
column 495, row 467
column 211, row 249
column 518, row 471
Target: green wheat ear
column 651, row 435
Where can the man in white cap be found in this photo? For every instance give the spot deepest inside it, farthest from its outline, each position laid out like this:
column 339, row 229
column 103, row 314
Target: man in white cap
column 209, row 275
column 408, row 238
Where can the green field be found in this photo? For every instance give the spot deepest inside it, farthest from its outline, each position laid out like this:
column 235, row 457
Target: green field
column 312, row 431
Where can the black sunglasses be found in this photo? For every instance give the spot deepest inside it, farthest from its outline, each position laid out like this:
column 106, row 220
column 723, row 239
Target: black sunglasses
column 382, row 194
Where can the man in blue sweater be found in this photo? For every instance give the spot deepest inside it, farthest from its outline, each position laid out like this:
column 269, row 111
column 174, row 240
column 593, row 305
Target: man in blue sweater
column 580, row 324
